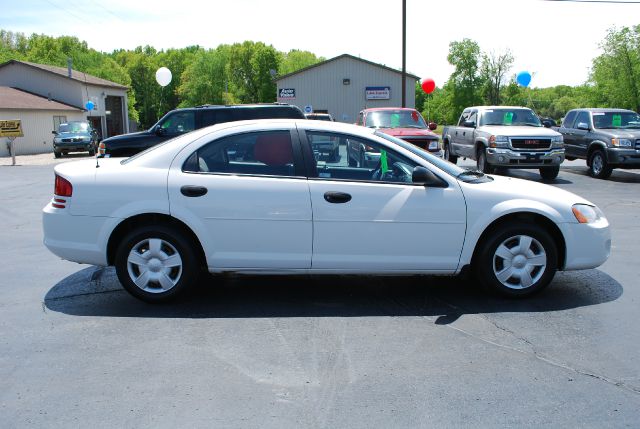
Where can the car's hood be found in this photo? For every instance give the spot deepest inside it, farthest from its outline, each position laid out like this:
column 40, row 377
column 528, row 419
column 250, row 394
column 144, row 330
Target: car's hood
column 507, row 192
column 67, row 135
column 127, row 137
column 508, row 130
column 630, row 134
column 406, row 132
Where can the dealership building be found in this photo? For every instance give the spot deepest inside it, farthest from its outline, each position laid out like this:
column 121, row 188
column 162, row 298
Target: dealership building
column 343, row 86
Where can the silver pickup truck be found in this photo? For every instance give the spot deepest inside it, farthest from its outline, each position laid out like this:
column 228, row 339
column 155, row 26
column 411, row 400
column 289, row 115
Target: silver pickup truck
column 504, row 137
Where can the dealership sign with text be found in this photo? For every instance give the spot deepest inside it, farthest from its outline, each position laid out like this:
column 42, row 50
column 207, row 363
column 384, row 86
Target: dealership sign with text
column 378, row 92
column 287, row 93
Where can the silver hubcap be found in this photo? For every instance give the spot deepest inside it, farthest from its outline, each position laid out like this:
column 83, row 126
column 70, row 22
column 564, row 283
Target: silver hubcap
column 597, row 163
column 154, row 265
column 519, row 262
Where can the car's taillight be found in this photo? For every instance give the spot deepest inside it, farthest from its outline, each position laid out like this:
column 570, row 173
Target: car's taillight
column 62, row 188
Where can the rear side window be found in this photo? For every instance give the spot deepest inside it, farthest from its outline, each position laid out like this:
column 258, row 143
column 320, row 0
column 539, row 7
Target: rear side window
column 263, row 153
column 569, row 119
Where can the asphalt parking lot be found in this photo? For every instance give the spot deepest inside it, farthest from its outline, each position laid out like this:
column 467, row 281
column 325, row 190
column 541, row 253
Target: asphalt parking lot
column 354, row 352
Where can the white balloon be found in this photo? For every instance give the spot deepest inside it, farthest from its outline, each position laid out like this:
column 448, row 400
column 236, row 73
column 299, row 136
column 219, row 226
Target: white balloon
column 163, row 76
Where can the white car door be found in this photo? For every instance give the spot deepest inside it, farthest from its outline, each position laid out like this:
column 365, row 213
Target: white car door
column 376, row 220
column 248, row 196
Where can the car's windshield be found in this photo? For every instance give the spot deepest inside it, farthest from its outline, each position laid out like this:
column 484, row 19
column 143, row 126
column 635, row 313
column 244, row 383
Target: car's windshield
column 508, row 117
column 394, row 119
column 616, row 120
column 74, row 127
column 446, row 166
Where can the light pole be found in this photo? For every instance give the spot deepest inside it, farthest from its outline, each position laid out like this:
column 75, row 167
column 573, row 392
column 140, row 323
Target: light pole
column 404, row 52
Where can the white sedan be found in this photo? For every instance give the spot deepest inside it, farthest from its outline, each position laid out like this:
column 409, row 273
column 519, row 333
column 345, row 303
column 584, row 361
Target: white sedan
column 253, row 197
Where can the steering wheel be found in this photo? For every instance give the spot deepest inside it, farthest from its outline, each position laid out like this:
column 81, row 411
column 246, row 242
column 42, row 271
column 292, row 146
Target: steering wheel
column 398, row 172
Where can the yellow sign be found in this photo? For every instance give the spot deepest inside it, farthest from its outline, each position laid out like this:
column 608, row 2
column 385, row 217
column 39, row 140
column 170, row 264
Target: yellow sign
column 11, row 128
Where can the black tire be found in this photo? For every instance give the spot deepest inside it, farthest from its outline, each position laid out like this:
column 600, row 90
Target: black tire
column 531, row 269
column 570, row 158
column 549, row 173
column 57, row 154
column 92, row 151
column 481, row 161
column 166, row 243
column 447, row 154
column 598, row 165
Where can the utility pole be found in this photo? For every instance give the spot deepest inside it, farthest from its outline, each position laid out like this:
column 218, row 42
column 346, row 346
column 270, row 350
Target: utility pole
column 404, row 53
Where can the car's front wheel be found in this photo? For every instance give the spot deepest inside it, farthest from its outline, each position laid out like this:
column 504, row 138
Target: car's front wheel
column 598, row 166
column 516, row 260
column 481, row 161
column 57, row 154
column 156, row 263
column 549, row 173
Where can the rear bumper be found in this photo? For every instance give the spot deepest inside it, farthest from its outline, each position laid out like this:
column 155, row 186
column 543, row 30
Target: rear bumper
column 514, row 159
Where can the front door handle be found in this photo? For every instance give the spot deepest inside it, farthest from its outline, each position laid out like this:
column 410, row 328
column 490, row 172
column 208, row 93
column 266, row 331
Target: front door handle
column 337, row 197
column 193, row 191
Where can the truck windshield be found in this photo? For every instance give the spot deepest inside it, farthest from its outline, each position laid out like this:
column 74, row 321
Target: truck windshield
column 74, row 127
column 394, row 119
column 614, row 120
column 509, row 117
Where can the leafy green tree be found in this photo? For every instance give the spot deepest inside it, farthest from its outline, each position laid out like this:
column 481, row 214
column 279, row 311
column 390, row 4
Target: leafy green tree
column 249, row 67
column 206, row 79
column 295, row 60
column 465, row 81
column 492, row 71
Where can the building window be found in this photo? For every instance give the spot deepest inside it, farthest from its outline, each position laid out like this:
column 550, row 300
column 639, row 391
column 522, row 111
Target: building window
column 57, row 120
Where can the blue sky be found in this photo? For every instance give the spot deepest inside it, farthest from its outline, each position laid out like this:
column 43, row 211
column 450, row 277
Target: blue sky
column 556, row 41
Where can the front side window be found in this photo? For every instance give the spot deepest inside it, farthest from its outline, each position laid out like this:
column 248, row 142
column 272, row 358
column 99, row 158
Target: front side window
column 583, row 118
column 268, row 153
column 463, row 118
column 345, row 157
column 179, row 123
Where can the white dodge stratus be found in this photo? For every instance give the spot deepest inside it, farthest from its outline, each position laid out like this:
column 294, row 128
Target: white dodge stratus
column 253, row 197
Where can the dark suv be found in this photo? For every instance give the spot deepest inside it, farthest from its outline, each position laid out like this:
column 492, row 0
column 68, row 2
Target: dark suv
column 74, row 136
column 606, row 138
column 181, row 121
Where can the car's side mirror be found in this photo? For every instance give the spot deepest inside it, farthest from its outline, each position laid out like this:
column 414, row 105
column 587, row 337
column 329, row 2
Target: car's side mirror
column 160, row 131
column 547, row 124
column 54, row 132
column 424, row 176
column 583, row 126
column 469, row 124
column 433, row 126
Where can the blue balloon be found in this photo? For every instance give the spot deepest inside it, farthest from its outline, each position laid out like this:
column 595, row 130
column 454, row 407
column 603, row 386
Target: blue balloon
column 523, row 78
column 89, row 105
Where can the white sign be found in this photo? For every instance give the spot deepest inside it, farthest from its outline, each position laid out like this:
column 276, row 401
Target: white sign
column 378, row 92
column 287, row 93
column 308, row 108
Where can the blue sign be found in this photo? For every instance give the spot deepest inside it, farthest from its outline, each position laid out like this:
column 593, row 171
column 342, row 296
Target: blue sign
column 378, row 92
column 89, row 105
column 308, row 108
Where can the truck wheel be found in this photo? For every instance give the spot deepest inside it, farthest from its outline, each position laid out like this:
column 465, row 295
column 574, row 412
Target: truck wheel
column 447, row 154
column 156, row 263
column 598, row 165
column 549, row 173
column 516, row 260
column 481, row 161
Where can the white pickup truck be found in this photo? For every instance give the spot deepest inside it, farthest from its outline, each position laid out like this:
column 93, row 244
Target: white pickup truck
column 504, row 137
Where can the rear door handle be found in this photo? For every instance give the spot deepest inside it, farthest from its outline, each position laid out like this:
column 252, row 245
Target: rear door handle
column 193, row 191
column 337, row 197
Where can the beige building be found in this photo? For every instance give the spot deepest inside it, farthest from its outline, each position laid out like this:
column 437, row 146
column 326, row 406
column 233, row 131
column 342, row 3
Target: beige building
column 344, row 85
column 64, row 86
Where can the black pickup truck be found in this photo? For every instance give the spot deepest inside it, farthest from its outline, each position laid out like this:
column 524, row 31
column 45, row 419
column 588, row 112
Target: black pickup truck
column 606, row 138
column 180, row 121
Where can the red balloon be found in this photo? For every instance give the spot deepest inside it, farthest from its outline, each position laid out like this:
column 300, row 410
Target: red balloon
column 428, row 85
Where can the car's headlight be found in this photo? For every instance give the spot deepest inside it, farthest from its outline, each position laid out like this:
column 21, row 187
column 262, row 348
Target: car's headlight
column 586, row 214
column 434, row 145
column 56, row 140
column 621, row 142
column 498, row 141
column 557, row 141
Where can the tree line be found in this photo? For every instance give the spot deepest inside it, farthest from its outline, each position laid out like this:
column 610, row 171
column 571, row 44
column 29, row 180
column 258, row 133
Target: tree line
column 244, row 73
column 481, row 78
column 237, row 73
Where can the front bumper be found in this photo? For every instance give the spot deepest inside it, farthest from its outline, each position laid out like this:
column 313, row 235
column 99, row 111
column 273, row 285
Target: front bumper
column 72, row 147
column 524, row 159
column 623, row 158
column 588, row 245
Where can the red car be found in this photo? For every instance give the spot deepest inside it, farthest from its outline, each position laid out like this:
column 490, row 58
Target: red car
column 401, row 122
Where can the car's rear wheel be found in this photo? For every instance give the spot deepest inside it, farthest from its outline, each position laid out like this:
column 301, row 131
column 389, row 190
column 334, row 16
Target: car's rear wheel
column 156, row 263
column 447, row 154
column 549, row 173
column 516, row 260
column 598, row 165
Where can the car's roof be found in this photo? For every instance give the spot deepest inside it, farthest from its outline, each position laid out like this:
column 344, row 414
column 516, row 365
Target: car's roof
column 242, row 106
column 603, row 110
column 380, row 109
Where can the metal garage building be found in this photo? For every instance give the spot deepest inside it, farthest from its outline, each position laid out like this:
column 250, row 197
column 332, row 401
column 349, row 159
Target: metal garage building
column 72, row 88
column 344, row 85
